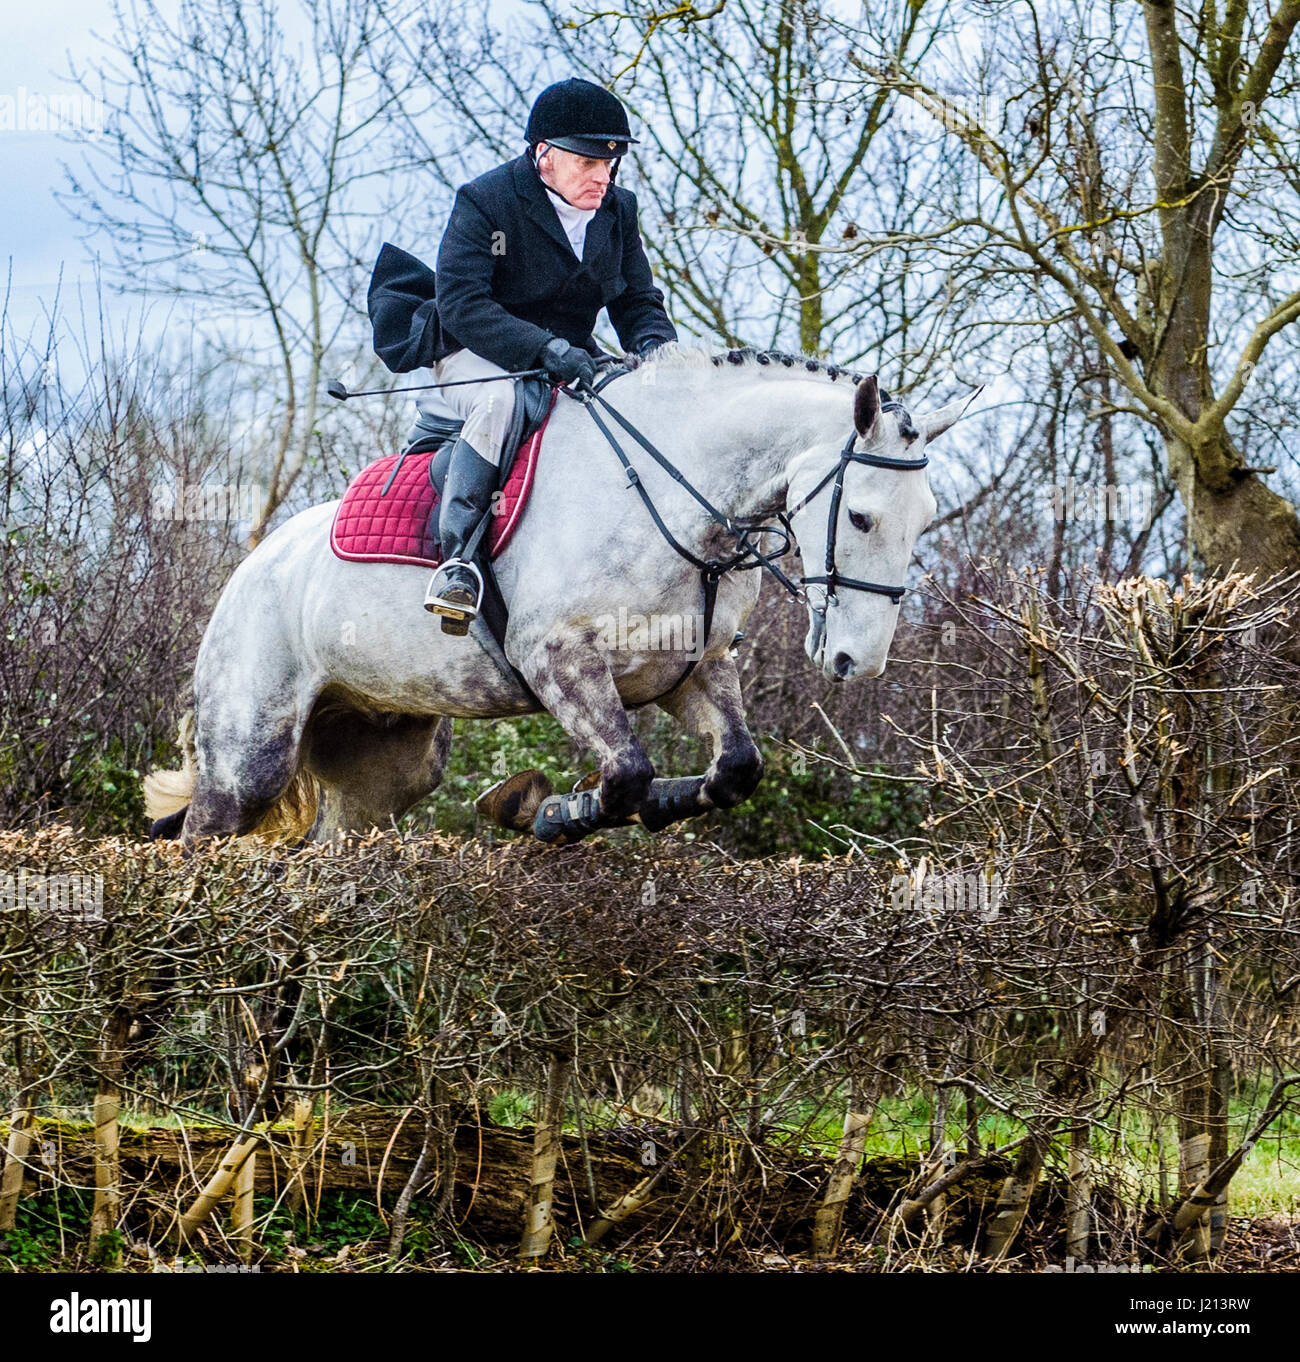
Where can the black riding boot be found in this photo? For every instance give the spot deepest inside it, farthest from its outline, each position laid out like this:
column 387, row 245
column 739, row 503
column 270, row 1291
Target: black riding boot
column 456, row 589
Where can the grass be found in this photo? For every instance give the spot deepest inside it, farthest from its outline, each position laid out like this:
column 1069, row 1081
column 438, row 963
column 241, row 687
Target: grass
column 1127, row 1152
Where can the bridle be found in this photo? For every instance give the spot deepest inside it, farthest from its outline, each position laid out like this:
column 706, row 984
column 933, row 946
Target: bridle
column 748, row 554
column 833, row 577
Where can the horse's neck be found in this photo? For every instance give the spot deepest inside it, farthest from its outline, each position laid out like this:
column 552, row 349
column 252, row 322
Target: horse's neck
column 749, row 428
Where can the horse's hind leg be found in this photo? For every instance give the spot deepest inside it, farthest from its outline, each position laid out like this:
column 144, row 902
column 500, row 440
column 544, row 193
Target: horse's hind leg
column 247, row 764
column 372, row 769
column 249, row 715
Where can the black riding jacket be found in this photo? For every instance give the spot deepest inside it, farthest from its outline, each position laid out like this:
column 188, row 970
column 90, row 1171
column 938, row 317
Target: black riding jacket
column 508, row 281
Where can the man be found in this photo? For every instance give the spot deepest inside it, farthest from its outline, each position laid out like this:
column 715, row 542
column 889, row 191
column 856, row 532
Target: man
column 534, row 249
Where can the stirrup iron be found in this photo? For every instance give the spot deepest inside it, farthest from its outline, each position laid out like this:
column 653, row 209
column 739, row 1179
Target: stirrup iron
column 458, row 614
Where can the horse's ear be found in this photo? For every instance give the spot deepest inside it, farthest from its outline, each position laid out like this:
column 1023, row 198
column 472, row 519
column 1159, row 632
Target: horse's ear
column 866, row 405
column 934, row 423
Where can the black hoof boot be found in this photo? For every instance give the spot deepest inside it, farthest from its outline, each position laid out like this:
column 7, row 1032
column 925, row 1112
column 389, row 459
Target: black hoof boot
column 563, row 819
column 672, row 800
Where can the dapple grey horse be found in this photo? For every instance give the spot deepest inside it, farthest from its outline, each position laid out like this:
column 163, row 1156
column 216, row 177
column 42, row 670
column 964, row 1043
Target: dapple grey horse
column 323, row 690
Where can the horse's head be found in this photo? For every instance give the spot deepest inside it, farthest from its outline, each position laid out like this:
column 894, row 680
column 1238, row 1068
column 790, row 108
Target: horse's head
column 857, row 510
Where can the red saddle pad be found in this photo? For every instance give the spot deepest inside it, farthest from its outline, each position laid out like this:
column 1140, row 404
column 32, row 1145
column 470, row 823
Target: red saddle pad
column 373, row 528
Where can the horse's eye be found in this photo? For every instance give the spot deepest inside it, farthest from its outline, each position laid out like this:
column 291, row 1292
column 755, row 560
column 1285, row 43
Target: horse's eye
column 860, row 521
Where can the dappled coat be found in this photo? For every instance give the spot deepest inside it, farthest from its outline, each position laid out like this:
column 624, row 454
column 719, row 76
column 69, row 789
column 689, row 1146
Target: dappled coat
column 508, row 280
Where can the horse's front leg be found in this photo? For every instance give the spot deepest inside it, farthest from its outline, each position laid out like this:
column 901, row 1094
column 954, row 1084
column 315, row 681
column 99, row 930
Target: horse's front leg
column 709, row 704
column 571, row 677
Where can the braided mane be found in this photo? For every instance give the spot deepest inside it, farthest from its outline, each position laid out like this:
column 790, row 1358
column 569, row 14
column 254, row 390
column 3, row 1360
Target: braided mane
column 678, row 355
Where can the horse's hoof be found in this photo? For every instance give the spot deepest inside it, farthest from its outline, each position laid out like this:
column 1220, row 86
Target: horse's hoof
column 587, row 782
column 512, row 803
column 168, row 829
column 567, row 818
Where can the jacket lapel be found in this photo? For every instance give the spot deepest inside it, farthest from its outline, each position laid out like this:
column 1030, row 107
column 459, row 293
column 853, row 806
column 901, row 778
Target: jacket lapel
column 528, row 185
column 598, row 230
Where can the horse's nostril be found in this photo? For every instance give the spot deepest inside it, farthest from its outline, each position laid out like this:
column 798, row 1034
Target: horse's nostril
column 843, row 664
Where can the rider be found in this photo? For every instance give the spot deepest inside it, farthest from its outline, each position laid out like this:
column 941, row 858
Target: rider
column 534, row 249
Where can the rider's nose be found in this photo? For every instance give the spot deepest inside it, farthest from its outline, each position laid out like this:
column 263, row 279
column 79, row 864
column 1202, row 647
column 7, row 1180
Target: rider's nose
column 843, row 665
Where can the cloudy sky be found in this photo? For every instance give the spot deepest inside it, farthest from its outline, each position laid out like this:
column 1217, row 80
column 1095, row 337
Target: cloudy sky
column 37, row 235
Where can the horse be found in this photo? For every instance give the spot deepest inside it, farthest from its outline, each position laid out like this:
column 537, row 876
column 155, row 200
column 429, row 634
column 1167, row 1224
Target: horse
column 324, row 692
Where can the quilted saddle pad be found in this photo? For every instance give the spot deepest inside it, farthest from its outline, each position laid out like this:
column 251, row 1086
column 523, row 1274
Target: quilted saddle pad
column 371, row 527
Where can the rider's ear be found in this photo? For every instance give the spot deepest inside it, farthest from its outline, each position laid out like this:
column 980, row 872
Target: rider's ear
column 934, row 423
column 866, row 406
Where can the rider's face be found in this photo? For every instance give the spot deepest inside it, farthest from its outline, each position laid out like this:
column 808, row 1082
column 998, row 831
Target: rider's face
column 582, row 180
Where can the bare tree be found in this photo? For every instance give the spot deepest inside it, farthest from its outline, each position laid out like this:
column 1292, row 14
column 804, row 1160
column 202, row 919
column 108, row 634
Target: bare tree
column 1140, row 176
column 241, row 166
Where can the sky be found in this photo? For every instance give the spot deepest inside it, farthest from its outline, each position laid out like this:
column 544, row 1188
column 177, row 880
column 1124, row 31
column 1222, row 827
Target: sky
column 39, row 238
column 37, row 235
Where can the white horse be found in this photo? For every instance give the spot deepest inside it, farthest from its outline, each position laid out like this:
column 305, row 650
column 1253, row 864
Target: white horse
column 324, row 690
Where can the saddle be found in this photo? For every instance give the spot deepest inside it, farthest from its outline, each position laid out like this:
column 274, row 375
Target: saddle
column 534, row 398
column 385, row 514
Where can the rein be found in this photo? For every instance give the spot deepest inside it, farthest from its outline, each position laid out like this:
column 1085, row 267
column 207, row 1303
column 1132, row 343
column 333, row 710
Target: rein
column 748, row 554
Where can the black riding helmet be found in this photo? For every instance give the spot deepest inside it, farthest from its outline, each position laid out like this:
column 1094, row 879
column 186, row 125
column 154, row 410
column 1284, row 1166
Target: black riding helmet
column 579, row 116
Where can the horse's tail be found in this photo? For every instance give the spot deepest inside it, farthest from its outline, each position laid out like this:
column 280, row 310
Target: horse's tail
column 168, row 792
column 291, row 816
column 167, row 795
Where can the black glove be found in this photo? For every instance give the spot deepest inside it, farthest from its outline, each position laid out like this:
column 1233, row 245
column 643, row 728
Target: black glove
column 564, row 362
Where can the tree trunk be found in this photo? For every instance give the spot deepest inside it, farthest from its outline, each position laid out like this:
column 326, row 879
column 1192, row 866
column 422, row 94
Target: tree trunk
column 402, row 1210
column 1013, row 1201
column 539, row 1205
column 1193, row 1169
column 829, row 1220
column 1078, row 1213
column 11, row 1182
column 1232, row 516
column 637, row 1199
column 108, row 1173
column 241, row 1216
column 218, row 1185
column 300, row 1143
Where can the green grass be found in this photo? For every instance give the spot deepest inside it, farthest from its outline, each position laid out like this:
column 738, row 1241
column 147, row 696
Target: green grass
column 1267, row 1184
